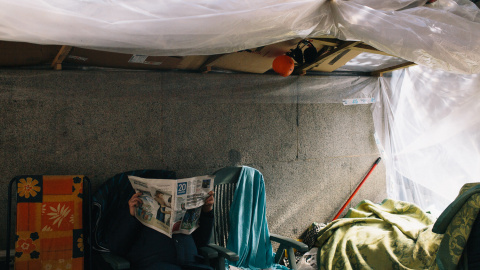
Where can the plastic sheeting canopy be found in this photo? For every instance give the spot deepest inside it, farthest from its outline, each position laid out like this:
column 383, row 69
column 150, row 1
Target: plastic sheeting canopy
column 443, row 35
column 426, row 120
column 428, row 126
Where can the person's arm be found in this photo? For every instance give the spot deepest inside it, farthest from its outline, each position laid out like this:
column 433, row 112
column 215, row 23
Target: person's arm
column 124, row 227
column 134, row 202
column 208, row 205
column 203, row 234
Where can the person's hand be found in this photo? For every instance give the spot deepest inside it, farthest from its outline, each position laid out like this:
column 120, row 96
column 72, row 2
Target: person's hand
column 208, row 206
column 134, row 202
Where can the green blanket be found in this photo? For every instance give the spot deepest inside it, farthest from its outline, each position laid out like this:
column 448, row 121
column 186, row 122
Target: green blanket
column 397, row 235
column 392, row 235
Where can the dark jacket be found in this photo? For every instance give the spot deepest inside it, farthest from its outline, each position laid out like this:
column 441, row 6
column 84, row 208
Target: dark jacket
column 144, row 247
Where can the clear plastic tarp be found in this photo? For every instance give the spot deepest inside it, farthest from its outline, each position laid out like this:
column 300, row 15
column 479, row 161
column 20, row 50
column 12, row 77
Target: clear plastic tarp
column 426, row 121
column 444, row 35
column 428, row 126
column 369, row 62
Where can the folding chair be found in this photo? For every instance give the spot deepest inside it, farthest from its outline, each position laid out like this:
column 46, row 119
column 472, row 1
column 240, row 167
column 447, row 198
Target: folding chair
column 226, row 181
column 51, row 227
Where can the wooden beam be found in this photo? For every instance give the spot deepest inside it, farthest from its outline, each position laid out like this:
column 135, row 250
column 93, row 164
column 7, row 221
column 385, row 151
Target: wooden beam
column 332, row 42
column 206, row 69
column 207, row 65
column 61, row 55
column 346, row 45
column 380, row 72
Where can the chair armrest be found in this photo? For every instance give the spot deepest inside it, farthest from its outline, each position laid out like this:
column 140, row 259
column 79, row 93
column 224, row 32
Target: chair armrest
column 226, row 253
column 115, row 261
column 208, row 253
column 288, row 242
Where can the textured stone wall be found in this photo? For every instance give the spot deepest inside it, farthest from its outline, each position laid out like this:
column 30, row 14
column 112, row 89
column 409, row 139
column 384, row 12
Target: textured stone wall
column 100, row 123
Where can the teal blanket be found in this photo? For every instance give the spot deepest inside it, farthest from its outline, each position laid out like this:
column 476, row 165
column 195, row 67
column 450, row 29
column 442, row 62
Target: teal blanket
column 249, row 238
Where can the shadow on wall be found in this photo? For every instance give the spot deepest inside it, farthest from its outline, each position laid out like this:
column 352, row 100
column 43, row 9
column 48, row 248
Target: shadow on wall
column 234, row 157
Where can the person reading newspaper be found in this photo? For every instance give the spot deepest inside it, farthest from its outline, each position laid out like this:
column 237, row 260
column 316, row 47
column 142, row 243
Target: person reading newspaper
column 171, row 206
column 148, row 249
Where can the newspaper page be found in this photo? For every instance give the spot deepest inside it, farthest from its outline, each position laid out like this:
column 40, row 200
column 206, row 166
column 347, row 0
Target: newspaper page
column 171, row 205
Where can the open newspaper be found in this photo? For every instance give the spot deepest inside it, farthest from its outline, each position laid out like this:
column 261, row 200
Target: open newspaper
column 171, row 205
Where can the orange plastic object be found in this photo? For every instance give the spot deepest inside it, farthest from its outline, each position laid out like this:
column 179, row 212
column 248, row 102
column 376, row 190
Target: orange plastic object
column 283, row 65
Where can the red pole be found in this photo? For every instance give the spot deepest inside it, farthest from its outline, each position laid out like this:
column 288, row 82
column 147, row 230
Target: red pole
column 358, row 187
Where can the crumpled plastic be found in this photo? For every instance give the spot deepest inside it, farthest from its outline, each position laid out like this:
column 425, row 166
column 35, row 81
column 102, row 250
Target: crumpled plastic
column 427, row 123
column 443, row 35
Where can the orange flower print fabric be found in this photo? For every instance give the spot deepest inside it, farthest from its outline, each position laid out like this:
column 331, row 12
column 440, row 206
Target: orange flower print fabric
column 49, row 231
column 80, row 243
column 28, row 187
column 57, row 216
column 25, row 246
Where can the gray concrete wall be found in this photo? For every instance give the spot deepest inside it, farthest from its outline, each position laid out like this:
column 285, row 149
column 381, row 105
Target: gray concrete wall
column 100, row 123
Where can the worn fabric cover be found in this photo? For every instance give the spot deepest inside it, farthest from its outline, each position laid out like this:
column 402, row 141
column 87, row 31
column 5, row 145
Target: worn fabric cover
column 49, row 231
column 399, row 235
column 250, row 238
column 392, row 235
column 456, row 223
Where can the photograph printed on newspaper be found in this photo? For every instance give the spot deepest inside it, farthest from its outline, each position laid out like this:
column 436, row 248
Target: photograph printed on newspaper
column 171, row 205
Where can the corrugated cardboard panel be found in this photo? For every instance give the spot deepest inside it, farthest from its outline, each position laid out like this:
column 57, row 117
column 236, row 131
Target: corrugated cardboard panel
column 254, row 61
column 193, row 62
column 26, row 54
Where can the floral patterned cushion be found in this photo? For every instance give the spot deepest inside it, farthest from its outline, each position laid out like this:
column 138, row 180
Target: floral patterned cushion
column 456, row 223
column 49, row 231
